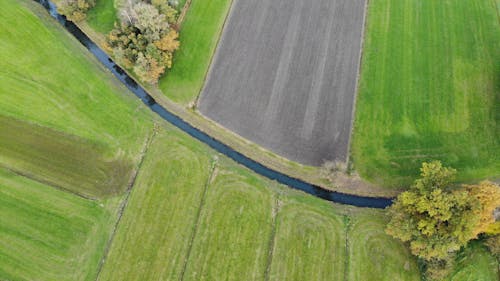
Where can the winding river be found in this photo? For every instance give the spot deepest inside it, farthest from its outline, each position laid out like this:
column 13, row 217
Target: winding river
column 358, row 201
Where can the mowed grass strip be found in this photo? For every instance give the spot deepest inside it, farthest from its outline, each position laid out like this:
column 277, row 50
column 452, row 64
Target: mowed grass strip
column 199, row 35
column 47, row 77
column 48, row 234
column 152, row 239
column 67, row 161
column 475, row 263
column 429, row 89
column 374, row 255
column 232, row 239
column 309, row 241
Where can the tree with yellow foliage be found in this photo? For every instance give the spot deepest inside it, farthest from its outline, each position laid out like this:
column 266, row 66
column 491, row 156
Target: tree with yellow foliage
column 437, row 219
column 488, row 194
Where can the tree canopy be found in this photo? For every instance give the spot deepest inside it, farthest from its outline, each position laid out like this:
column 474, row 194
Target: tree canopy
column 437, row 218
column 144, row 40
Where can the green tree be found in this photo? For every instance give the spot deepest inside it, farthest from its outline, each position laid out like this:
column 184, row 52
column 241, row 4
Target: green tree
column 435, row 218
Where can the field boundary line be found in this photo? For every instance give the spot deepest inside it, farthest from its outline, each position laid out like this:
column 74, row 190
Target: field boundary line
column 124, row 202
column 214, row 54
column 272, row 239
column 184, row 10
column 213, row 172
column 358, row 78
column 46, row 182
column 347, row 226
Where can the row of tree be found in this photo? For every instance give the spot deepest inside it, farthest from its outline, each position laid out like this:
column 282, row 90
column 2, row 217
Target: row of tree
column 145, row 39
column 436, row 218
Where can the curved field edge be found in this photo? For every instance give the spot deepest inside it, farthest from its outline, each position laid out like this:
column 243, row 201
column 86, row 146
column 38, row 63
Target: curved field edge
column 374, row 255
column 235, row 224
column 309, row 242
column 154, row 234
column 59, row 104
column 48, row 234
column 196, row 215
column 428, row 90
column 346, row 184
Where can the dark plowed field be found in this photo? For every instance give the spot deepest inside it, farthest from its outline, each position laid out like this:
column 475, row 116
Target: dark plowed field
column 284, row 75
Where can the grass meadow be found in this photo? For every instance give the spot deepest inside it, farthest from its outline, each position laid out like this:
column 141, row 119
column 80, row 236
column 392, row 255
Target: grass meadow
column 48, row 234
column 199, row 35
column 429, row 89
column 102, row 16
column 475, row 263
column 64, row 120
column 192, row 214
column 196, row 215
column 154, row 235
column 310, row 241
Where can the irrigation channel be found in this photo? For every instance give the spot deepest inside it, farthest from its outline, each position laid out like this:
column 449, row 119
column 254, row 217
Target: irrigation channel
column 342, row 198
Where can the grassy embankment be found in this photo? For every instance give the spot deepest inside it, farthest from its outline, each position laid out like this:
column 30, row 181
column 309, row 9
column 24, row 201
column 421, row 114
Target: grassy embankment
column 63, row 120
column 429, row 90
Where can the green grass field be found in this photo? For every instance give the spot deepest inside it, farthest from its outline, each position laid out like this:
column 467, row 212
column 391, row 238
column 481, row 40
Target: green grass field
column 191, row 212
column 48, row 80
column 103, row 16
column 310, row 241
column 232, row 238
column 475, row 263
column 199, row 35
column 374, row 255
column 68, row 161
column 177, row 225
column 47, row 234
column 154, row 234
column 429, row 89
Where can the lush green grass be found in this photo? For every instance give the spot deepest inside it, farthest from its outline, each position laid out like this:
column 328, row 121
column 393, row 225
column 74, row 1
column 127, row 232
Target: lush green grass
column 429, row 89
column 67, row 161
column 232, row 238
column 102, row 17
column 48, row 234
column 476, row 263
column 310, row 241
column 47, row 79
column 199, row 35
column 176, row 225
column 373, row 255
column 154, row 234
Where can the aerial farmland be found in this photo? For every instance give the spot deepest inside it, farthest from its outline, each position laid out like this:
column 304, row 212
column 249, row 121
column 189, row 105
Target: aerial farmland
column 284, row 76
column 249, row 140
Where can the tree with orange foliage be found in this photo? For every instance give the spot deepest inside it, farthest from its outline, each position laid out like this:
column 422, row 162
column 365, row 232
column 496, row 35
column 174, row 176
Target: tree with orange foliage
column 488, row 193
column 168, row 42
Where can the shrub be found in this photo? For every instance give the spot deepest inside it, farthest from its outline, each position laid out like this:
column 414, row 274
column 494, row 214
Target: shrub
column 75, row 10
